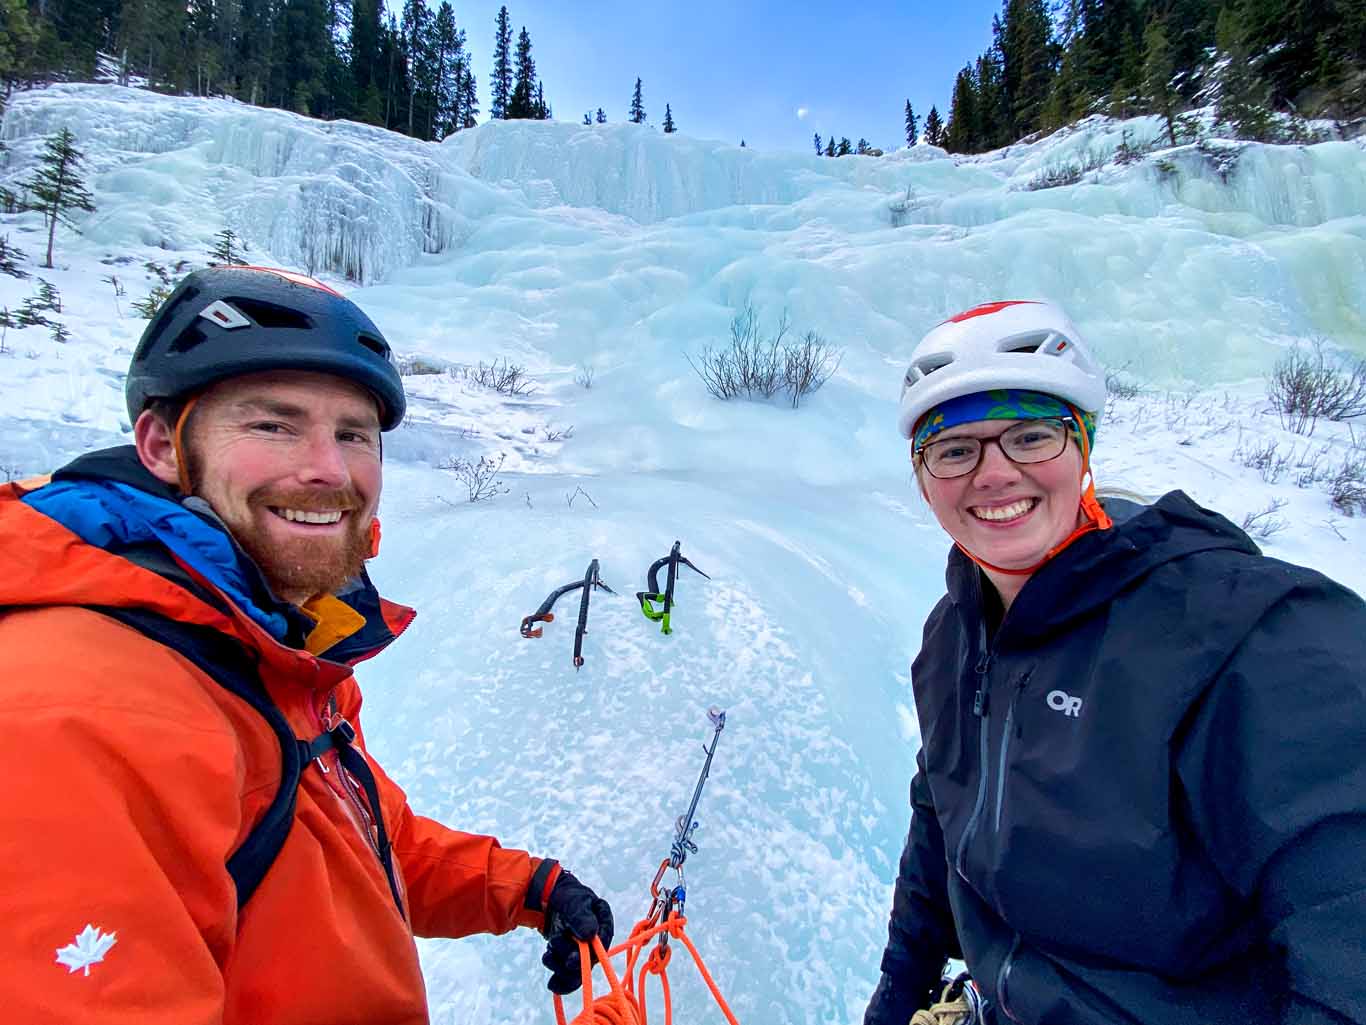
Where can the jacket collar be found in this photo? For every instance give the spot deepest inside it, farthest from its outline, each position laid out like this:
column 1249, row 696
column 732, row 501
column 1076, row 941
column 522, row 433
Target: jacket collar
column 1096, row 567
column 110, row 500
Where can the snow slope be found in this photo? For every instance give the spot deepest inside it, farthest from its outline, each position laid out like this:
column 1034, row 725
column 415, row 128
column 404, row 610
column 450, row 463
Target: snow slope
column 618, row 251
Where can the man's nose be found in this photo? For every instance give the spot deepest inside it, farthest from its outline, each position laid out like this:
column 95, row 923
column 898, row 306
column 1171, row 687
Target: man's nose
column 324, row 462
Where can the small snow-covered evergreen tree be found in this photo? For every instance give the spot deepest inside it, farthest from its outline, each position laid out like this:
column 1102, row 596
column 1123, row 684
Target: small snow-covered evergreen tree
column 601, row 117
column 57, row 187
column 637, row 106
column 934, row 128
column 9, row 259
column 911, row 125
column 817, row 139
column 227, row 249
column 669, row 128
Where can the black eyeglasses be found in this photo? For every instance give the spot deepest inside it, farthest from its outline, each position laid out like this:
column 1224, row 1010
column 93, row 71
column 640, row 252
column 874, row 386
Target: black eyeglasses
column 1030, row 441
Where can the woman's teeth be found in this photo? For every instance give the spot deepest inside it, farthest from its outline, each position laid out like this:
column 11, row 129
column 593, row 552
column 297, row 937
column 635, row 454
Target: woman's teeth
column 1001, row 513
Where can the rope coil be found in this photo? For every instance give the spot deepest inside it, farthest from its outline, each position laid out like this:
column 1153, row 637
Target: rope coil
column 625, row 1004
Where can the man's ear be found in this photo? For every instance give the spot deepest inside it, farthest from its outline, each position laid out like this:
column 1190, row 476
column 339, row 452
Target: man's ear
column 155, row 441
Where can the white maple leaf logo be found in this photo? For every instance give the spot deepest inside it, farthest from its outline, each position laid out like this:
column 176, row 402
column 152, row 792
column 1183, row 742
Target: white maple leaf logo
column 89, row 948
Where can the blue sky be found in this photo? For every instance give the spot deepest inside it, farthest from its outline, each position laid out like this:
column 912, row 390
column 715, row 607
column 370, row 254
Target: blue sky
column 744, row 70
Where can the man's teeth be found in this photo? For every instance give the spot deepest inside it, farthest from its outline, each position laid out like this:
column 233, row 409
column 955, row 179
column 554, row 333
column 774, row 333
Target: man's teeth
column 1004, row 512
column 303, row 516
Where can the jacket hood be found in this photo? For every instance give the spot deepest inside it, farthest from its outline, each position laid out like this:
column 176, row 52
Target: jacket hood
column 105, row 532
column 1099, row 565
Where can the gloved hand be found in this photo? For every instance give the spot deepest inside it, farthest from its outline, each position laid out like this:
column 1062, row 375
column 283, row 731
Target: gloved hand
column 891, row 1004
column 573, row 912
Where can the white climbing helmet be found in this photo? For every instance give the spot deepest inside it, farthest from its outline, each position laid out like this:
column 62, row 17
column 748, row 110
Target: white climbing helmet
column 1023, row 344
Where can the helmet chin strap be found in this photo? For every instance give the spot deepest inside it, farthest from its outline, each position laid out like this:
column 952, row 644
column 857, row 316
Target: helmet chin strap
column 1089, row 510
column 182, row 467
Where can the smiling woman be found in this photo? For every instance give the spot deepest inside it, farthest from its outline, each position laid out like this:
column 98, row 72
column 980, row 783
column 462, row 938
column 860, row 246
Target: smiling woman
column 1113, row 806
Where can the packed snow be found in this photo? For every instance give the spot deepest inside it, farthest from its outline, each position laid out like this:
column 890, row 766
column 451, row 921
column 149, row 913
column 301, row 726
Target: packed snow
column 600, row 258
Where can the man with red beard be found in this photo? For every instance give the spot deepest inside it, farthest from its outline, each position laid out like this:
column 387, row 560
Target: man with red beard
column 194, row 830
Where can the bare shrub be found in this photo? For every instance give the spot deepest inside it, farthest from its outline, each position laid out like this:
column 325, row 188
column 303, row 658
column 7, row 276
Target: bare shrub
column 1264, row 524
column 807, row 365
column 1265, row 457
column 480, row 479
column 749, row 366
column 1067, row 172
column 755, row 366
column 549, row 433
column 569, row 498
column 584, row 378
column 1120, row 385
column 1305, row 385
column 1347, row 486
column 502, row 376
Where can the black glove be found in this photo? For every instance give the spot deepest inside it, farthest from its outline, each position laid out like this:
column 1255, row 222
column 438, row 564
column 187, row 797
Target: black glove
column 573, row 912
column 892, row 1004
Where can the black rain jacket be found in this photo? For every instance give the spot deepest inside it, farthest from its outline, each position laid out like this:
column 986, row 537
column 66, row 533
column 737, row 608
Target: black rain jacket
column 1143, row 800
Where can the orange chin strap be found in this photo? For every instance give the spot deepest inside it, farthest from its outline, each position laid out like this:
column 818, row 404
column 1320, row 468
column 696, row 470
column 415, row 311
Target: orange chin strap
column 178, row 442
column 1090, row 508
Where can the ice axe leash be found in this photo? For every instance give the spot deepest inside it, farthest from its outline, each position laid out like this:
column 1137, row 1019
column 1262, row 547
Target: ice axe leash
column 647, row 599
column 624, row 1004
column 545, row 615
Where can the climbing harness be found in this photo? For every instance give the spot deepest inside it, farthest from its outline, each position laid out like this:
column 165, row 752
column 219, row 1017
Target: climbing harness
column 625, row 1002
column 544, row 615
column 648, row 598
column 960, row 1003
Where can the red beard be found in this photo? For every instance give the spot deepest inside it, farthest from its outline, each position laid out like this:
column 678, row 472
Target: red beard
column 306, row 565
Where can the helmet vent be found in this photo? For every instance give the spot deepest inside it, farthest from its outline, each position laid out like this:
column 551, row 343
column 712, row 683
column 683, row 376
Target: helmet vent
column 375, row 345
column 187, row 339
column 930, row 364
column 269, row 315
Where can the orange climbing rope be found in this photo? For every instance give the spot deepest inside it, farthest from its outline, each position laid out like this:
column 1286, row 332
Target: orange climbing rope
column 623, row 1005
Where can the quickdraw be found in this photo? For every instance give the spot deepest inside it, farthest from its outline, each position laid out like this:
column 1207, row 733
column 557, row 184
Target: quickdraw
column 647, row 598
column 544, row 615
column 625, row 1002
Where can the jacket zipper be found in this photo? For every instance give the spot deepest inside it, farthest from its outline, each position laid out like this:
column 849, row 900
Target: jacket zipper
column 346, row 790
column 1005, row 749
column 980, row 711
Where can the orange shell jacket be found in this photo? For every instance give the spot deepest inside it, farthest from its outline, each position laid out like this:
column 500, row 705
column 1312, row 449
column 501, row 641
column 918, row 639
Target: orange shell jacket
column 129, row 779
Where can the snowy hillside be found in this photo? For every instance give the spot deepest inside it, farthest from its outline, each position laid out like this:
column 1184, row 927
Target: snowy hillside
column 612, row 253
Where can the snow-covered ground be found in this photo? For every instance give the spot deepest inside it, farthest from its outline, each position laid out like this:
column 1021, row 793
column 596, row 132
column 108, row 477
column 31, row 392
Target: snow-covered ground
column 614, row 251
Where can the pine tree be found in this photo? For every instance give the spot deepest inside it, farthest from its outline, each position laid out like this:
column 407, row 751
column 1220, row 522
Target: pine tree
column 469, row 97
column 1243, row 98
column 57, row 185
column 911, row 132
column 669, row 128
column 959, row 135
column 1028, row 65
column 862, row 147
column 934, row 128
column 500, row 82
column 18, row 34
column 1158, row 72
column 542, row 107
column 9, row 259
column 845, row 147
column 522, row 103
column 448, row 59
column 742, row 143
column 366, row 32
column 830, row 147
column 817, row 139
column 416, row 52
column 637, row 107
column 588, row 117
column 225, row 249
column 601, row 117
